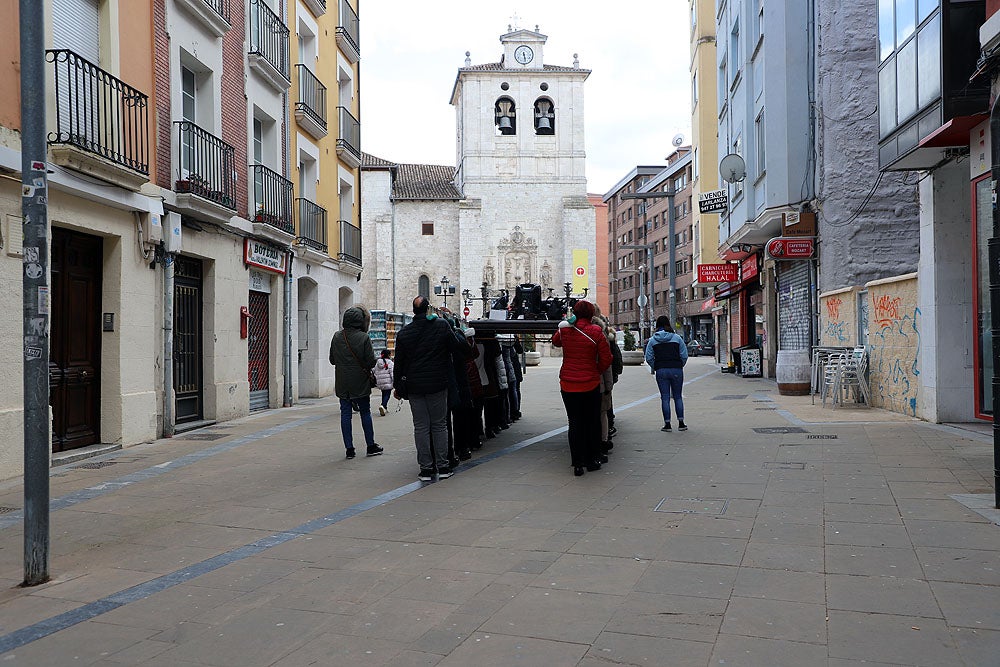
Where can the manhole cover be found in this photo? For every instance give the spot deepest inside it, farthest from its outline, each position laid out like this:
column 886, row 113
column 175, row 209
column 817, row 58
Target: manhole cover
column 714, row 506
column 729, row 397
column 819, row 436
column 96, row 465
column 783, row 465
column 764, row 400
column 779, row 429
column 7, row 510
column 204, row 436
column 765, row 408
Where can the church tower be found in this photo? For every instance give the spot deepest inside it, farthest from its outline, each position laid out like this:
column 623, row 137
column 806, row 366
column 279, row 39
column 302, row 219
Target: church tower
column 521, row 168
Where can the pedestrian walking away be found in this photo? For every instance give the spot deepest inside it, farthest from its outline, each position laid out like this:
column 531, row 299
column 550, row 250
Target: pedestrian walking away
column 666, row 355
column 586, row 355
column 352, row 355
column 424, row 350
column 383, row 379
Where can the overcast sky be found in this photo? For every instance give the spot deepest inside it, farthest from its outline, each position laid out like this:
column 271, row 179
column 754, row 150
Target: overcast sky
column 637, row 98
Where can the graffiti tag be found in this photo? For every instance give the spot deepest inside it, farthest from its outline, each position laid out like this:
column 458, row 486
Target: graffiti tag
column 836, row 331
column 833, row 308
column 885, row 310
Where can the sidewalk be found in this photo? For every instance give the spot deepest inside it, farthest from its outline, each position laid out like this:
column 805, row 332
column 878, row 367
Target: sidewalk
column 771, row 533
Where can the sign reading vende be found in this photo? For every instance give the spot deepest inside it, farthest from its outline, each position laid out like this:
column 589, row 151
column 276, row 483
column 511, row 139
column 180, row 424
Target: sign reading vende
column 263, row 255
column 713, row 274
column 790, row 248
column 712, row 201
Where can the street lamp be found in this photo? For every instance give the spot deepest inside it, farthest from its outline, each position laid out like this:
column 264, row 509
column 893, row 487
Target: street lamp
column 444, row 290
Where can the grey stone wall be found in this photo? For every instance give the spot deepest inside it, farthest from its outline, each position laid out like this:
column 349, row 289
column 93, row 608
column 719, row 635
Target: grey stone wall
column 884, row 239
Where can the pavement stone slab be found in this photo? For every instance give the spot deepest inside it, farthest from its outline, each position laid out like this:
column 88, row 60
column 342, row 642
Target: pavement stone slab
column 794, row 557
column 783, row 585
column 969, row 605
column 866, row 534
column 881, row 595
column 971, row 566
column 593, row 574
column 673, row 616
column 776, row 619
column 865, row 514
column 742, row 651
column 626, row 649
column 540, row 613
column 893, row 639
column 494, row 648
column 695, row 579
column 872, row 561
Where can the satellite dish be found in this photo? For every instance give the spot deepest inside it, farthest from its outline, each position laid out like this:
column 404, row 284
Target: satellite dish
column 678, row 140
column 732, row 168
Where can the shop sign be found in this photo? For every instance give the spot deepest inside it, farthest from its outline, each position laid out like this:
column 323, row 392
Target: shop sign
column 790, row 248
column 259, row 281
column 748, row 267
column 263, row 255
column 711, row 274
column 723, row 291
column 796, row 223
column 712, row 201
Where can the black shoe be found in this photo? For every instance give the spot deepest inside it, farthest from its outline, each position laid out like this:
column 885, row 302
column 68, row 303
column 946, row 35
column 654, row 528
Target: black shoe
column 603, row 458
column 610, row 444
column 612, row 430
column 454, row 463
column 464, row 455
column 596, row 465
column 445, row 473
column 426, row 475
column 666, row 428
column 350, row 453
column 504, row 427
column 374, row 450
column 681, row 426
column 578, row 471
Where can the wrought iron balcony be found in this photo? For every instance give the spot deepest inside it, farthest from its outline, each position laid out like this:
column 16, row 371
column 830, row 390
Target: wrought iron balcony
column 310, row 108
column 348, row 32
column 213, row 14
column 98, row 113
column 350, row 243
column 272, row 198
column 268, row 42
column 349, row 139
column 205, row 165
column 312, row 224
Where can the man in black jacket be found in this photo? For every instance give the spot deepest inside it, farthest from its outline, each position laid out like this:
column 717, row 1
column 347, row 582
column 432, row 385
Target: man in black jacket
column 423, row 363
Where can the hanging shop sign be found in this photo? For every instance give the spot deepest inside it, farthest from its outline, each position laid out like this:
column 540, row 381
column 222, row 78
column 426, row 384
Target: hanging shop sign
column 748, row 268
column 795, row 223
column 264, row 256
column 790, row 248
column 712, row 201
column 713, row 274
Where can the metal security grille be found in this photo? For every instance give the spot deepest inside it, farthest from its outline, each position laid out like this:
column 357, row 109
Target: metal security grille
column 793, row 306
column 258, row 364
column 187, row 339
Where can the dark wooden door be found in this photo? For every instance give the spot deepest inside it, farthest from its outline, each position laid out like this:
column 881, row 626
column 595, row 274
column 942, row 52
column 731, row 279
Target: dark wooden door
column 187, row 340
column 75, row 352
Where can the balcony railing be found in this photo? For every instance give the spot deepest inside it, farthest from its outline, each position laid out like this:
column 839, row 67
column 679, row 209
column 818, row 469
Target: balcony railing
column 272, row 198
column 350, row 243
column 350, row 132
column 347, row 27
column 312, row 96
column 99, row 113
column 268, row 36
column 205, row 165
column 220, row 7
column 312, row 224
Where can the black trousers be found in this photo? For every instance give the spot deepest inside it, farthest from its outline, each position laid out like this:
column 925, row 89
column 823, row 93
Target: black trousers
column 493, row 411
column 583, row 410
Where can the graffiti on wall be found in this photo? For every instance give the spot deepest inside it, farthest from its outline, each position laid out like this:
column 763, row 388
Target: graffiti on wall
column 835, row 332
column 894, row 353
column 836, row 322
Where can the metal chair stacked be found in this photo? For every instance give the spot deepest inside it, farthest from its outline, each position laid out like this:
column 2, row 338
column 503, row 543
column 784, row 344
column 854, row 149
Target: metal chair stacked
column 845, row 377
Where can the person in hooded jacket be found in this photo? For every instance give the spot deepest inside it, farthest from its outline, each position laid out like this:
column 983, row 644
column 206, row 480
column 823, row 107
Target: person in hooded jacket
column 666, row 355
column 353, row 357
column 586, row 355
column 383, row 379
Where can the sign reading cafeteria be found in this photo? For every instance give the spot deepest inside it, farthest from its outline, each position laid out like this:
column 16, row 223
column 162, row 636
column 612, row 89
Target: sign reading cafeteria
column 790, row 248
column 712, row 274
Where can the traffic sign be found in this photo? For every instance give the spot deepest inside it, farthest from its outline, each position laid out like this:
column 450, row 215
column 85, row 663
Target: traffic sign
column 466, row 311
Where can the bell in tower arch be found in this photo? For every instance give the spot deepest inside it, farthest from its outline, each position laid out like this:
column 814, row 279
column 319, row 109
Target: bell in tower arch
column 504, row 111
column 545, row 117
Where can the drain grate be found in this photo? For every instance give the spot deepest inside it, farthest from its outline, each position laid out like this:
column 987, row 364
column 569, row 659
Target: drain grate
column 96, row 465
column 765, row 408
column 783, row 465
column 714, row 506
column 770, row 430
column 204, row 436
column 820, row 436
column 729, row 397
column 7, row 510
column 764, row 400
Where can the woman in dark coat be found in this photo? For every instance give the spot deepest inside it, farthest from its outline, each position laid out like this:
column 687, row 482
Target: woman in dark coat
column 352, row 354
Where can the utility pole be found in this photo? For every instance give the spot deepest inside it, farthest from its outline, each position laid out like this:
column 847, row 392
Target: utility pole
column 993, row 247
column 669, row 193
column 35, row 293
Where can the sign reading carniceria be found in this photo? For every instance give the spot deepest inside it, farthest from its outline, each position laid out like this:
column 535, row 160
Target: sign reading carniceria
column 263, row 255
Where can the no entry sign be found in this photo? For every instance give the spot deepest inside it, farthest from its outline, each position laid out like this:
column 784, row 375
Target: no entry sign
column 465, row 311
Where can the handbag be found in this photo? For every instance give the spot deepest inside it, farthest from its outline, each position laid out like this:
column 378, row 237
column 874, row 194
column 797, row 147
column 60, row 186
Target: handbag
column 372, row 382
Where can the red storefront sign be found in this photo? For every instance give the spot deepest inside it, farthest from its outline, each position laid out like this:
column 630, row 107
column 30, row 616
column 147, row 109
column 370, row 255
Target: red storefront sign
column 709, row 274
column 748, row 268
column 790, row 248
column 264, row 256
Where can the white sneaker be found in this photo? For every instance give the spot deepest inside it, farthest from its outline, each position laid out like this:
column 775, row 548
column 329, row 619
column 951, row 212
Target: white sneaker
column 381, row 410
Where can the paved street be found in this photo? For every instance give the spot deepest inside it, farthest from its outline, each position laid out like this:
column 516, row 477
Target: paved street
column 833, row 540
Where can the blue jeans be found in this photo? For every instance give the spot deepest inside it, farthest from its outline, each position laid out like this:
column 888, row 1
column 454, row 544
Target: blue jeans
column 364, row 408
column 386, row 394
column 670, row 381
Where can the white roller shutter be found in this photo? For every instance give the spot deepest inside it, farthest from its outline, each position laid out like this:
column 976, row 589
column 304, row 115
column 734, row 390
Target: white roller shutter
column 76, row 26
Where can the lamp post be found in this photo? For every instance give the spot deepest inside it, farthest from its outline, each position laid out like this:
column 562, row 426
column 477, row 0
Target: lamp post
column 444, row 290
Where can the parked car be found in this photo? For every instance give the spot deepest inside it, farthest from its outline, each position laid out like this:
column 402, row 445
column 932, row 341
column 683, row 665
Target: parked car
column 697, row 347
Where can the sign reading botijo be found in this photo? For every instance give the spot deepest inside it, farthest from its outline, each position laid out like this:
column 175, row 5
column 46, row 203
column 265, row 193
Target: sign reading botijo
column 263, row 255
column 712, row 274
column 712, row 201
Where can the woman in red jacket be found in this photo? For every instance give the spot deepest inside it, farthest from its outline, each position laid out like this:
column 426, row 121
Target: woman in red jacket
column 586, row 355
